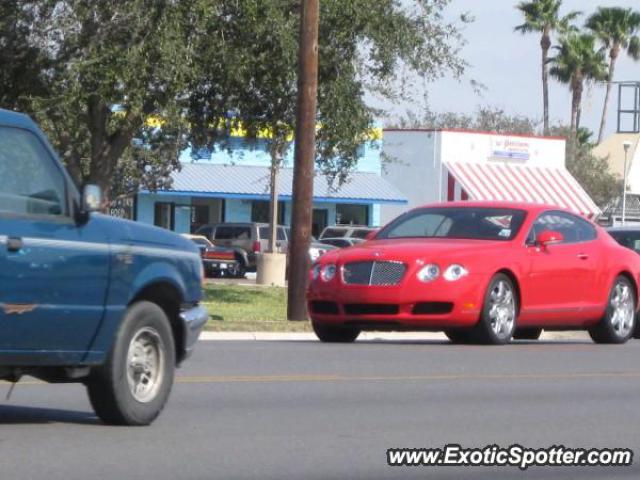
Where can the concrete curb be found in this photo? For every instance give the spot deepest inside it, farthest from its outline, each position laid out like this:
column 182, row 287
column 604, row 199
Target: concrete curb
column 367, row 336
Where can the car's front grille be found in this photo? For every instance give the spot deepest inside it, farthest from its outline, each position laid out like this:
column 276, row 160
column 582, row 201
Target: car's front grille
column 387, row 273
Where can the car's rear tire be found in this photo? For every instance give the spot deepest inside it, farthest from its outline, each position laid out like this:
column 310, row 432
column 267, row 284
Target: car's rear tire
column 499, row 312
column 618, row 323
column 335, row 334
column 461, row 336
column 133, row 385
column 527, row 333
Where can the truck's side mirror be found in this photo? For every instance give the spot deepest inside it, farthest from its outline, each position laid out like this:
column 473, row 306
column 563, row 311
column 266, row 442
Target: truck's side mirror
column 91, row 199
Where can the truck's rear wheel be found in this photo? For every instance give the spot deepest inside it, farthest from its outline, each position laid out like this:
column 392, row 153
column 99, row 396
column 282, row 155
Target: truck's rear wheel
column 133, row 385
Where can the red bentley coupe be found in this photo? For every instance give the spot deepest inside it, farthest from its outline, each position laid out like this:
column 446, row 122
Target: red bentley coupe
column 483, row 272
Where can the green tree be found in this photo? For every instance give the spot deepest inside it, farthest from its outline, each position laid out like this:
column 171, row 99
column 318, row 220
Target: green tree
column 110, row 95
column 20, row 60
column 543, row 17
column 487, row 119
column 363, row 45
column 617, row 29
column 576, row 63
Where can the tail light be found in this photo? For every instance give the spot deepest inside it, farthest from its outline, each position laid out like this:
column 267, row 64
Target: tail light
column 256, row 246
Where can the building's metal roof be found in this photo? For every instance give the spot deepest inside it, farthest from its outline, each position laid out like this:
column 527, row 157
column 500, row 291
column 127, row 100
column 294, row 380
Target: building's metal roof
column 235, row 181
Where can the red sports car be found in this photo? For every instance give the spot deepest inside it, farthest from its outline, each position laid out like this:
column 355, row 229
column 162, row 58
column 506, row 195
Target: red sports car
column 483, row 272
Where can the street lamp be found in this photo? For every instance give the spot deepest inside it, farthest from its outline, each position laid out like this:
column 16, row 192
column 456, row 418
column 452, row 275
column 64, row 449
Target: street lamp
column 627, row 146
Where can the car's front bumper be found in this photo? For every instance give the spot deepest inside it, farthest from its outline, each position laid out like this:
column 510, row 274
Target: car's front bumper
column 220, row 265
column 193, row 321
column 409, row 306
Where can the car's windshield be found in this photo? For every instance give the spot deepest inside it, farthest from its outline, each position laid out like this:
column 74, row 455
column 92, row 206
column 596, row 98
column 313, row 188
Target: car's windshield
column 479, row 223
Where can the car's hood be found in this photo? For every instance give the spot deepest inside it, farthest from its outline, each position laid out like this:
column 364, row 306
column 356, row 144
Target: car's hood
column 135, row 233
column 428, row 249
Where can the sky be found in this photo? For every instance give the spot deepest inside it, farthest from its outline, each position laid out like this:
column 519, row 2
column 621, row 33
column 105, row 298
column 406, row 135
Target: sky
column 508, row 64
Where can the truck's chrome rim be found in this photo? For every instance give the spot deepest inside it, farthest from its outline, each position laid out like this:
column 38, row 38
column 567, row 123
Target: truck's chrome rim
column 622, row 309
column 145, row 364
column 502, row 309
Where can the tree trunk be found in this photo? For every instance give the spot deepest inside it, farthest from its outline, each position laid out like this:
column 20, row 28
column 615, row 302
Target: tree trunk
column 576, row 101
column 613, row 55
column 545, row 44
column 273, row 204
column 303, row 164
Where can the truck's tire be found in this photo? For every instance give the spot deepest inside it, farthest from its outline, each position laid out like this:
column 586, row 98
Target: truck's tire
column 133, row 385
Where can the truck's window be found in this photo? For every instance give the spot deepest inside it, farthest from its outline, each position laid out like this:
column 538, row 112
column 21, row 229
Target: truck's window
column 233, row 233
column 30, row 183
column 333, row 233
column 360, row 233
column 264, row 233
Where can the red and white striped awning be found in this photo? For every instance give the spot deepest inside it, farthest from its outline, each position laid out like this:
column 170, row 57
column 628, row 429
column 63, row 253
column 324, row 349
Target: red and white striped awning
column 522, row 183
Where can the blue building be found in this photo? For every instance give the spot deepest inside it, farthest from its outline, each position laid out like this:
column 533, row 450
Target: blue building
column 232, row 185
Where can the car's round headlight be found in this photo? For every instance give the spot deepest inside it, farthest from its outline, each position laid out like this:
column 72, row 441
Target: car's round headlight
column 315, row 272
column 328, row 272
column 455, row 272
column 428, row 273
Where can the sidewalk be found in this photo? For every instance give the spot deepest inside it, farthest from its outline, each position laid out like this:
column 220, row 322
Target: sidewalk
column 370, row 336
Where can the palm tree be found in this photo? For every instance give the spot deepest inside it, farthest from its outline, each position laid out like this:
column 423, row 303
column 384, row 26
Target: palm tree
column 617, row 29
column 578, row 61
column 543, row 16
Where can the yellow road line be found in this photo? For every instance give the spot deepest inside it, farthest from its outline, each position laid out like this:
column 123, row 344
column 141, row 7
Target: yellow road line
column 401, row 378
column 203, row 379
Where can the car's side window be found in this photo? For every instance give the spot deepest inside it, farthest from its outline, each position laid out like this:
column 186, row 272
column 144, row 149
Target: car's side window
column 30, row 182
column 572, row 228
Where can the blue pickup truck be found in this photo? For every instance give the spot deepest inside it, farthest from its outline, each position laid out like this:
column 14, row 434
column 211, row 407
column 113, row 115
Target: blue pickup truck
column 85, row 297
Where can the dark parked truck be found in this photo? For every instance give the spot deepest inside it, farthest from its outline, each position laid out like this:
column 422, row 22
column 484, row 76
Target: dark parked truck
column 85, row 297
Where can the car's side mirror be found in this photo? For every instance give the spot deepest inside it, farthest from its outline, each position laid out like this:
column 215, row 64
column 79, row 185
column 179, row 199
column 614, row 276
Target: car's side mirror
column 91, row 199
column 549, row 237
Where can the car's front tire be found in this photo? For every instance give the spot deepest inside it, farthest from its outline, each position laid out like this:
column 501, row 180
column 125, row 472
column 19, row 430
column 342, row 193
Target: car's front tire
column 133, row 385
column 618, row 323
column 335, row 334
column 499, row 312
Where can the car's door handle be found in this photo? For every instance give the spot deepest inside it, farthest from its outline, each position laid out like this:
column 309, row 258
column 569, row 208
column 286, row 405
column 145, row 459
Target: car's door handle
column 583, row 256
column 14, row 244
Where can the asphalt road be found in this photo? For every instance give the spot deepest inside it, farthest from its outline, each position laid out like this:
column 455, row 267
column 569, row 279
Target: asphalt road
column 280, row 410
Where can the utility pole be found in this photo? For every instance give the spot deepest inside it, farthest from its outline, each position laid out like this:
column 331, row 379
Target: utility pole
column 304, row 154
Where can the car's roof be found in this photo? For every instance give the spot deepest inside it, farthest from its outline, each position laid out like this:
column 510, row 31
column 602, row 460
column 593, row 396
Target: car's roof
column 346, row 227
column 532, row 207
column 192, row 237
column 240, row 224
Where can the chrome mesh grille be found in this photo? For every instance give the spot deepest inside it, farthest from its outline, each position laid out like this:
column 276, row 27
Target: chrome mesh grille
column 373, row 273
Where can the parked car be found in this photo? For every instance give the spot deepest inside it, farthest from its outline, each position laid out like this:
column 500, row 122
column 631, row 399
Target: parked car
column 346, row 231
column 342, row 242
column 84, row 297
column 627, row 236
column 249, row 239
column 316, row 248
column 217, row 261
column 482, row 272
